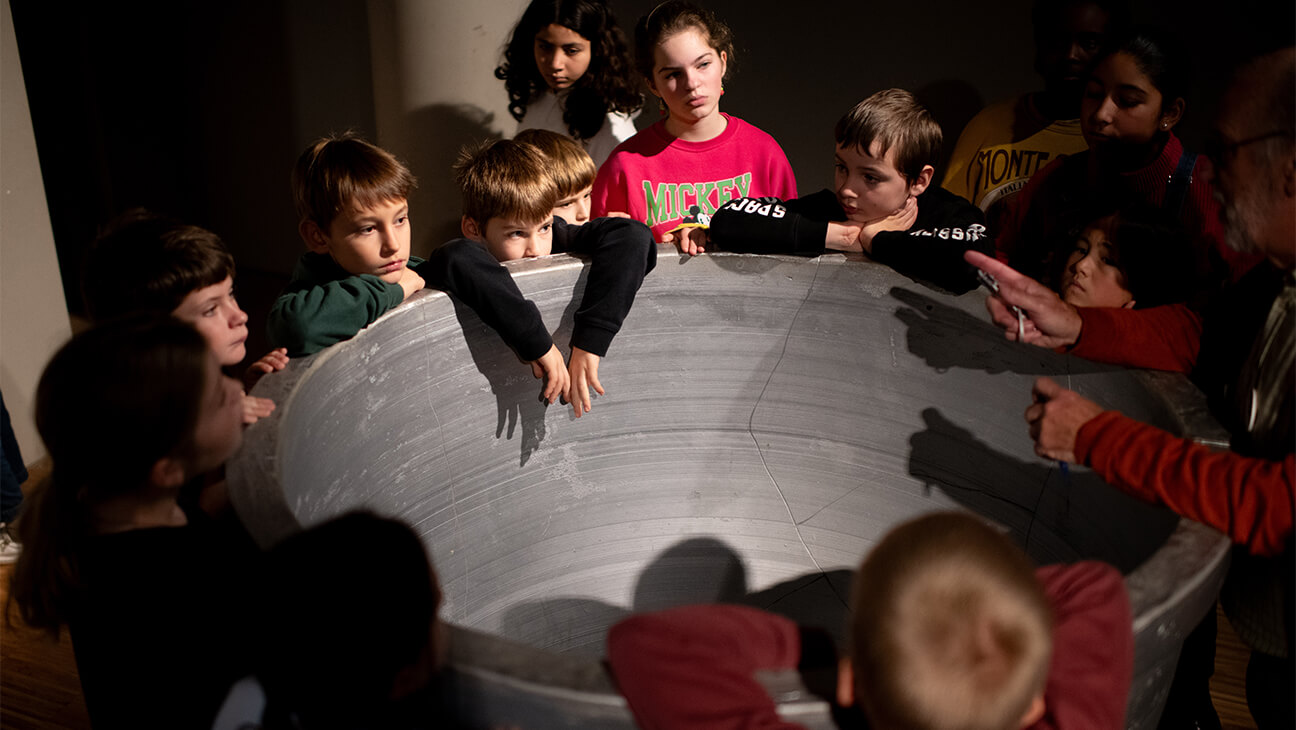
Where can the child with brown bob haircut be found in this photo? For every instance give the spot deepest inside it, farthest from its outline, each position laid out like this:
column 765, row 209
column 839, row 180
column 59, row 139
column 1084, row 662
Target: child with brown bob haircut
column 882, row 203
column 509, row 198
column 572, row 168
column 147, row 263
column 351, row 199
column 951, row 628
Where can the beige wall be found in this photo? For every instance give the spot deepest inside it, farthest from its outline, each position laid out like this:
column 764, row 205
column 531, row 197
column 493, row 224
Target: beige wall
column 434, row 91
column 33, row 316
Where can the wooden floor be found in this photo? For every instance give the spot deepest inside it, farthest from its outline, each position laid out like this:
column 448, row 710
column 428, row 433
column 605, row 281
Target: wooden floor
column 39, row 686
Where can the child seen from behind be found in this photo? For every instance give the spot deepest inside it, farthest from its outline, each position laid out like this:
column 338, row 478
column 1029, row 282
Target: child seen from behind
column 310, row 678
column 951, row 628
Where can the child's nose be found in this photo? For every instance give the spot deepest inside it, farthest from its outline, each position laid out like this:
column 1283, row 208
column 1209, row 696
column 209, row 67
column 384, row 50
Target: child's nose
column 238, row 317
column 1105, row 111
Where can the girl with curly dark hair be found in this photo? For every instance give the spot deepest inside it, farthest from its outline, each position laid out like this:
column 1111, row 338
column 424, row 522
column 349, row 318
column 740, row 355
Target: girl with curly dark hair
column 567, row 69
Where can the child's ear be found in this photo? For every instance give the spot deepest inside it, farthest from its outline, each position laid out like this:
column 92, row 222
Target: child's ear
column 845, row 682
column 1171, row 114
column 921, row 182
column 167, row 473
column 313, row 235
column 1034, row 712
column 470, row 229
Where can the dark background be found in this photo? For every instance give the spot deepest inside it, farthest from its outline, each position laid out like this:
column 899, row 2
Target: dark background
column 198, row 109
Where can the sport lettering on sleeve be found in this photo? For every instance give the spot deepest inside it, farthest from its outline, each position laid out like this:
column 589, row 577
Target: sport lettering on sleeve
column 974, row 232
column 768, row 207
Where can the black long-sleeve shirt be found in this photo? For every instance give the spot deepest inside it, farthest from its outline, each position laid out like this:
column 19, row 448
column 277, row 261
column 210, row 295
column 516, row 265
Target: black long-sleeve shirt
column 622, row 253
column 932, row 249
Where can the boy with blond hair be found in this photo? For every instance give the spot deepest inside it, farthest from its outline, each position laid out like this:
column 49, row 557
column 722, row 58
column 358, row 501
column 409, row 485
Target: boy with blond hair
column 951, row 628
column 573, row 171
column 509, row 199
column 882, row 203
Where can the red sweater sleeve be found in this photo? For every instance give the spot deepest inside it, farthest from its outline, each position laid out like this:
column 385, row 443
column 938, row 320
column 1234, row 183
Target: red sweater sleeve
column 1250, row 500
column 1093, row 648
column 694, row 667
column 1158, row 338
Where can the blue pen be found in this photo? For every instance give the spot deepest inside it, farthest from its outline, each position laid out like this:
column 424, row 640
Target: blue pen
column 1066, row 483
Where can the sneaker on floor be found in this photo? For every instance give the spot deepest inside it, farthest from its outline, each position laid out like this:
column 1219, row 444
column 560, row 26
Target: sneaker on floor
column 9, row 547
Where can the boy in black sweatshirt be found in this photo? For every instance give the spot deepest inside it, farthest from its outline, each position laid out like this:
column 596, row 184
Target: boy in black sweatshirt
column 509, row 197
column 882, row 203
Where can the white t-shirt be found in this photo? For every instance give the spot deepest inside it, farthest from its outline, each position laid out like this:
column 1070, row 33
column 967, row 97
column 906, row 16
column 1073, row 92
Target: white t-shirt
column 547, row 113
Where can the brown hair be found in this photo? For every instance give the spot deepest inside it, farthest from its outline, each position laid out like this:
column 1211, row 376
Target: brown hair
column 570, row 165
column 673, row 17
column 950, row 628
column 111, row 403
column 144, row 262
column 344, row 171
column 344, row 683
column 893, row 118
column 505, row 177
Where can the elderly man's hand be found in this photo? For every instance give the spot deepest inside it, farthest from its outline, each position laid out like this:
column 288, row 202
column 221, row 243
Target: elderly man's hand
column 1050, row 322
column 1056, row 418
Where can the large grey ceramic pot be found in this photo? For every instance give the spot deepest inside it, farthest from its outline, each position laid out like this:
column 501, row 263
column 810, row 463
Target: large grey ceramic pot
column 767, row 419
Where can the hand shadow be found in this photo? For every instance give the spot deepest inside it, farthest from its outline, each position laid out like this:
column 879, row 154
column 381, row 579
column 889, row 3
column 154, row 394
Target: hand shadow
column 976, row 476
column 1056, row 517
column 699, row 570
column 816, row 599
column 694, row 571
column 567, row 323
column 517, row 392
column 946, row 337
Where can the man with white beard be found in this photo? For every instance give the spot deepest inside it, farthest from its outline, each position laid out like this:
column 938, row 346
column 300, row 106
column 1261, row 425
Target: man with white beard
column 1244, row 360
